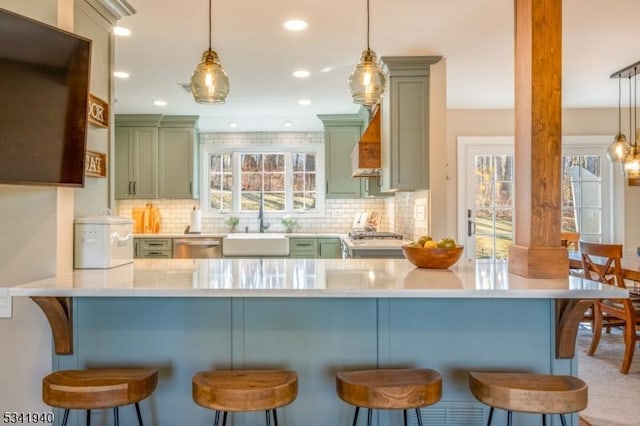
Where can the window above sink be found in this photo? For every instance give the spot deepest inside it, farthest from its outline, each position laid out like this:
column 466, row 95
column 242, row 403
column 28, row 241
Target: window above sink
column 290, row 177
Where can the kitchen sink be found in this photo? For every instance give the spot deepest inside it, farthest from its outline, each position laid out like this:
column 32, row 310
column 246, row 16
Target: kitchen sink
column 255, row 244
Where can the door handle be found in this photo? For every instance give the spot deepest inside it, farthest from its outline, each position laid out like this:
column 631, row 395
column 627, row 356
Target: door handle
column 129, row 189
column 471, row 225
column 135, row 192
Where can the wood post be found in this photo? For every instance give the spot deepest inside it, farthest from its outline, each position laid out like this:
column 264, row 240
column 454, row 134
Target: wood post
column 537, row 252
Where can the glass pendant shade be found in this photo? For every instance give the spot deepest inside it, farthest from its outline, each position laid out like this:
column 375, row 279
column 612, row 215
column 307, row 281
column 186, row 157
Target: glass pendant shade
column 367, row 82
column 632, row 162
column 209, row 82
column 619, row 150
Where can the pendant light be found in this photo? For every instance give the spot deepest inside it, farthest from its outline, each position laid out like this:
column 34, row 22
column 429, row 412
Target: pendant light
column 632, row 162
column 619, row 149
column 367, row 82
column 209, row 82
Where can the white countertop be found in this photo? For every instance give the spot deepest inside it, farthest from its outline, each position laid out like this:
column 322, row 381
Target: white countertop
column 283, row 277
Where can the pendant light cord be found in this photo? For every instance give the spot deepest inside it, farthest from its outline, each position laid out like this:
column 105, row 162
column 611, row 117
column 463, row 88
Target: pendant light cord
column 368, row 23
column 209, row 24
column 630, row 123
column 619, row 103
column 635, row 105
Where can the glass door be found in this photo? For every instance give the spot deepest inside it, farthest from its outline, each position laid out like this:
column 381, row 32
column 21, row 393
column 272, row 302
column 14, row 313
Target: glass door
column 486, row 196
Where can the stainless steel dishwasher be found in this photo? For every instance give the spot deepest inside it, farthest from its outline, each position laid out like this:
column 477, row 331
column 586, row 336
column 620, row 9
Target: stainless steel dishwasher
column 197, row 248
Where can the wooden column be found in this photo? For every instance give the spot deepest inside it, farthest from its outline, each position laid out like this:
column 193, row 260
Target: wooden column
column 537, row 252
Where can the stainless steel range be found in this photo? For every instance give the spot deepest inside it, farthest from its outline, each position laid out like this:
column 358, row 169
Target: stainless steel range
column 373, row 244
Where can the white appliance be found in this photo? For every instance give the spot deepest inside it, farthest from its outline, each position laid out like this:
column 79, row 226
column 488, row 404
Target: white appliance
column 102, row 242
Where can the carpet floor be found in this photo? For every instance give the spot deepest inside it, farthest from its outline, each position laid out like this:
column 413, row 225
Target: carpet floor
column 614, row 398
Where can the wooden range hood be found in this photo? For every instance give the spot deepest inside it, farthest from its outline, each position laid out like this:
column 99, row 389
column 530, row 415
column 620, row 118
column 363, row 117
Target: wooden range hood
column 365, row 157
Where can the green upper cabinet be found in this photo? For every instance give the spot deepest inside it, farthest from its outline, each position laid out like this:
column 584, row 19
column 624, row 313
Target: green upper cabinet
column 177, row 153
column 155, row 156
column 341, row 134
column 405, row 123
column 136, row 152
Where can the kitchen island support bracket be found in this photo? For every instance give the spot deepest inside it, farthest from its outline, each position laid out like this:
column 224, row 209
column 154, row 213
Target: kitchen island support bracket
column 569, row 314
column 59, row 313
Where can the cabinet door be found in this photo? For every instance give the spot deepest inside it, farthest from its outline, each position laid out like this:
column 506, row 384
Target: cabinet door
column 329, row 248
column 123, row 166
column 405, row 134
column 145, row 162
column 175, row 166
column 339, row 142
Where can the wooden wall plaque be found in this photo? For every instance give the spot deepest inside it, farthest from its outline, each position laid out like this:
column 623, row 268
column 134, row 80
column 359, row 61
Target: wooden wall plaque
column 98, row 111
column 96, row 164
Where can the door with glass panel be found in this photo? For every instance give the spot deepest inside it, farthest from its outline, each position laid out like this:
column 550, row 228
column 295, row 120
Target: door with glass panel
column 486, row 197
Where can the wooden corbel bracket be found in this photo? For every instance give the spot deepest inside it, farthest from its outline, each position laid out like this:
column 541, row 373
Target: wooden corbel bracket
column 59, row 313
column 569, row 314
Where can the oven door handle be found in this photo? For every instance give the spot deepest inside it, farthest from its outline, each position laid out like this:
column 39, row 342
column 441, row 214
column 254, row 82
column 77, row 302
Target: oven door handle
column 200, row 243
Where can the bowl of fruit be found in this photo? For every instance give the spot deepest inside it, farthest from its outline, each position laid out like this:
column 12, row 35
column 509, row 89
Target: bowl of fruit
column 429, row 253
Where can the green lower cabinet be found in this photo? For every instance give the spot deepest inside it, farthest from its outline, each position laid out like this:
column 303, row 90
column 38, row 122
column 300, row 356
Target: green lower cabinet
column 303, row 248
column 329, row 248
column 315, row 248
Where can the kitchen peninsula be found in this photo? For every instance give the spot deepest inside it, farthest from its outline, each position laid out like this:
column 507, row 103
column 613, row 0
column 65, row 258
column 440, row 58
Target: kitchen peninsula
column 317, row 317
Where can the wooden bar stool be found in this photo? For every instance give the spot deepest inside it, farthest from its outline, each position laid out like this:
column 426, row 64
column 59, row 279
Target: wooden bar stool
column 98, row 388
column 245, row 390
column 530, row 393
column 399, row 389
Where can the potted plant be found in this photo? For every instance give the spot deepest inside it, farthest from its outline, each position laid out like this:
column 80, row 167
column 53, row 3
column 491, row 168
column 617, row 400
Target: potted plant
column 290, row 223
column 232, row 222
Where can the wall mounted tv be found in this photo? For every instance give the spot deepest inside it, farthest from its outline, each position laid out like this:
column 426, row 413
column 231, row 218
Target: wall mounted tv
column 44, row 89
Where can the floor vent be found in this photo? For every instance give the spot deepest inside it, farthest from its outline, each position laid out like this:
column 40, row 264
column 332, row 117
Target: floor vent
column 452, row 414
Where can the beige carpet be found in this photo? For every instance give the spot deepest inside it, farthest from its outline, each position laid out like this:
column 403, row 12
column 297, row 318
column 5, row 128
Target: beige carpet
column 614, row 398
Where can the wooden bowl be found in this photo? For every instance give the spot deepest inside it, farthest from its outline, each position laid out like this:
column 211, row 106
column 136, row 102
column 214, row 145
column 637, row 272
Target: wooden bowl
column 434, row 258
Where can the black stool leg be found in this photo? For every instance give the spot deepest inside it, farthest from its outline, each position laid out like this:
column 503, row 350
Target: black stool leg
column 509, row 418
column 369, row 416
column 544, row 420
column 116, row 417
column 224, row 419
column 139, row 416
column 563, row 420
column 355, row 416
column 268, row 417
column 216, row 419
column 65, row 417
column 490, row 416
column 404, row 416
column 88, row 420
column 419, row 415
column 275, row 417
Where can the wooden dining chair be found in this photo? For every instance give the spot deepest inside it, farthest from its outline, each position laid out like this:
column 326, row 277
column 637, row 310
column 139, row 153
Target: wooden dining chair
column 601, row 262
column 570, row 240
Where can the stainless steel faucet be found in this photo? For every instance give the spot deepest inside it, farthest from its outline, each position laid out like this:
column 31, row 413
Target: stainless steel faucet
column 263, row 226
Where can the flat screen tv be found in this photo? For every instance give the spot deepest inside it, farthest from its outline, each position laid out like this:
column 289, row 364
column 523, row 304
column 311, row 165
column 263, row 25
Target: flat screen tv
column 44, row 89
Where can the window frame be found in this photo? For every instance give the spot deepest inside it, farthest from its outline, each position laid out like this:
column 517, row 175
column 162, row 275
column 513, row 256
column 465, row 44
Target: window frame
column 207, row 149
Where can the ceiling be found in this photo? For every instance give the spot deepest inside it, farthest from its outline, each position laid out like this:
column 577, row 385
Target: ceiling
column 259, row 55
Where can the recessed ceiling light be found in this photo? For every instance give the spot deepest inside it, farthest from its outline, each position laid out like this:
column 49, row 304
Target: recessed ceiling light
column 121, row 74
column 326, row 69
column 304, row 102
column 233, row 124
column 160, row 103
column 301, row 73
column 288, row 123
column 295, row 25
column 121, row 31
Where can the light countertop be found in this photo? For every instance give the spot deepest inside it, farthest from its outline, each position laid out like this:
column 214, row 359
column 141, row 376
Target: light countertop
column 283, row 277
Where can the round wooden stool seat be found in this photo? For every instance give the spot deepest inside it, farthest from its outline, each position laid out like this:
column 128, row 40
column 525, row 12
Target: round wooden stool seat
column 389, row 388
column 98, row 388
column 530, row 393
column 245, row 390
